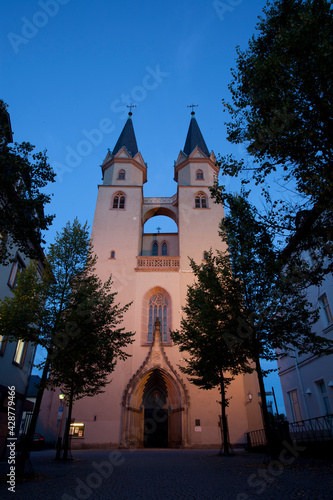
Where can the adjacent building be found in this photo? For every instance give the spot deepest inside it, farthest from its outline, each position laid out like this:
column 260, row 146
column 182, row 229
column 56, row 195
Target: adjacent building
column 16, row 357
column 307, row 380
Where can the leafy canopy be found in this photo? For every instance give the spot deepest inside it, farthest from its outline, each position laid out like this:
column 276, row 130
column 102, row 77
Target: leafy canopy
column 274, row 307
column 211, row 317
column 282, row 94
column 67, row 309
column 23, row 175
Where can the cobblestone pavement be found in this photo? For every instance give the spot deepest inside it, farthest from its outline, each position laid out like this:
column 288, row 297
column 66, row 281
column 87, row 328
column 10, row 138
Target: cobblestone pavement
column 172, row 474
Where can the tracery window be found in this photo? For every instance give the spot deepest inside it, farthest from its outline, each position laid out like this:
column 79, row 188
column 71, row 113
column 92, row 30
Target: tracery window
column 119, row 201
column 200, row 200
column 158, row 308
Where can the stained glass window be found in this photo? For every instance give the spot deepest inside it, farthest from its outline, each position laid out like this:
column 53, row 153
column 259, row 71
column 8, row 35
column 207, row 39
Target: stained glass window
column 157, row 309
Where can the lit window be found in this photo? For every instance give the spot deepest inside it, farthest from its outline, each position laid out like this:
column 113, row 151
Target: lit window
column 76, row 430
column 121, row 175
column 164, row 248
column 199, row 175
column 200, row 201
column 20, row 351
column 17, row 268
column 155, row 248
column 326, row 310
column 157, row 309
column 119, row 201
column 113, row 254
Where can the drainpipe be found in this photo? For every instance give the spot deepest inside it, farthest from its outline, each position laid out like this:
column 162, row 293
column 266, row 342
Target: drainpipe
column 301, row 386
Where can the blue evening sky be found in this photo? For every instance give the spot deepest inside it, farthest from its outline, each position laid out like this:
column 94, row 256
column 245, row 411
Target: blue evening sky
column 70, row 67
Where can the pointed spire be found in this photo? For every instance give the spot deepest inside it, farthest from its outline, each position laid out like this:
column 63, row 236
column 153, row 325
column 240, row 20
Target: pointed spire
column 194, row 137
column 127, row 138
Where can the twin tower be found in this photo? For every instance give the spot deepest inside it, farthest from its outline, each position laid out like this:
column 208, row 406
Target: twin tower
column 148, row 402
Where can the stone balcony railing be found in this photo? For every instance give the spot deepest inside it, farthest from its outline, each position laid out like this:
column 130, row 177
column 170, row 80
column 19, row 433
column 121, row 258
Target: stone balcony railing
column 157, row 263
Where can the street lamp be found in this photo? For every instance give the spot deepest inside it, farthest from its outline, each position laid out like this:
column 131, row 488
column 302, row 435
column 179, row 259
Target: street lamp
column 60, row 420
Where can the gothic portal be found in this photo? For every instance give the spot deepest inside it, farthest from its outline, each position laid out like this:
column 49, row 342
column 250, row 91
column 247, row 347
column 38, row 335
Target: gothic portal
column 148, row 402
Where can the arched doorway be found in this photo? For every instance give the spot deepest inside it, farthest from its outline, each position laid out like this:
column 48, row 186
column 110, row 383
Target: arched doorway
column 155, row 411
column 154, row 401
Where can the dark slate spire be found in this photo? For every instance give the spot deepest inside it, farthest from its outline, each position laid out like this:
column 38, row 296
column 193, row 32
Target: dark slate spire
column 127, row 138
column 194, row 138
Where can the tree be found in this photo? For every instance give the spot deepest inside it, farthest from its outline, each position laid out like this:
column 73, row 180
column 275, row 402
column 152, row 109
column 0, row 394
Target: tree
column 273, row 312
column 23, row 174
column 211, row 317
column 95, row 342
column 46, row 309
column 282, row 94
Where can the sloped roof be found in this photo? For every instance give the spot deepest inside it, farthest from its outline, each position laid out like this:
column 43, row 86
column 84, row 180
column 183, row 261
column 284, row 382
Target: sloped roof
column 194, row 138
column 127, row 139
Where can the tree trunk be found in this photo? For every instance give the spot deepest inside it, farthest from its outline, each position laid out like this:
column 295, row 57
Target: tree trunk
column 224, row 421
column 24, row 455
column 266, row 421
column 67, row 428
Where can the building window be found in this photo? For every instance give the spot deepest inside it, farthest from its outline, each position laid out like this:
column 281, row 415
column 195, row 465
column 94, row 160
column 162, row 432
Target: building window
column 119, row 201
column 295, row 407
column 16, row 269
column 199, row 175
column 113, row 254
column 323, row 397
column 20, row 352
column 155, row 248
column 158, row 308
column 204, row 256
column 200, row 201
column 3, row 342
column 164, row 248
column 76, row 430
column 326, row 310
column 121, row 175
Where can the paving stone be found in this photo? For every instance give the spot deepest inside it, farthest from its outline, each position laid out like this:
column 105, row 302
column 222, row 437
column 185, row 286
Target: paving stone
column 172, row 474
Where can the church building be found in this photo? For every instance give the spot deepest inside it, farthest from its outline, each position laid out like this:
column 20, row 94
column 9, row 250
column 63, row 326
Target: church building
column 149, row 402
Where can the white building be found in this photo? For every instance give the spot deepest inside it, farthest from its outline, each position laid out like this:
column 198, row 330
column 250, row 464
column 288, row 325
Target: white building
column 307, row 380
column 16, row 357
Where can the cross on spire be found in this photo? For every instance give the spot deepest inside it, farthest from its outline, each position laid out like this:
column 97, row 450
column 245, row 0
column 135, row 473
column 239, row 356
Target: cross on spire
column 130, row 111
column 192, row 106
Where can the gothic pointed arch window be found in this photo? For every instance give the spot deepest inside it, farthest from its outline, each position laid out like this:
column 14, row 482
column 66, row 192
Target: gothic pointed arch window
column 164, row 248
column 155, row 248
column 156, row 304
column 118, row 201
column 200, row 200
column 158, row 308
column 121, row 174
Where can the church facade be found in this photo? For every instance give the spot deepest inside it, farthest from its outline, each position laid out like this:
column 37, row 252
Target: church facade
column 149, row 402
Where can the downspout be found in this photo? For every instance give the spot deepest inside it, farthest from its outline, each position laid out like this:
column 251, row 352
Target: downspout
column 301, row 386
